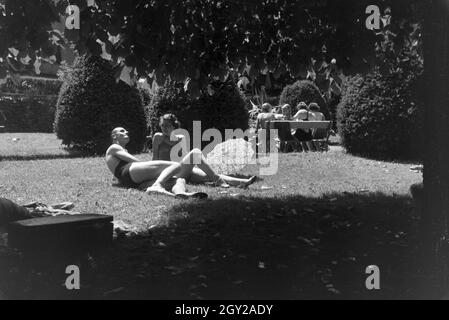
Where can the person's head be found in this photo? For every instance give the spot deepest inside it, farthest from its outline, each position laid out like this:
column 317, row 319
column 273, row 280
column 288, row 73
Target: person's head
column 266, row 107
column 120, row 136
column 314, row 107
column 286, row 110
column 168, row 122
column 302, row 106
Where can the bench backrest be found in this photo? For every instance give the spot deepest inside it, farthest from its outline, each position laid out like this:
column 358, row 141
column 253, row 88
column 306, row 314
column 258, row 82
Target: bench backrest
column 284, row 131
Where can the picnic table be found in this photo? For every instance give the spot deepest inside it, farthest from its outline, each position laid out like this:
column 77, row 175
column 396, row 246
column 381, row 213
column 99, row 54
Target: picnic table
column 275, row 124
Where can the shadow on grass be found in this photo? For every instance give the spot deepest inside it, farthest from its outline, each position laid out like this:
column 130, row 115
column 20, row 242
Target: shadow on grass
column 246, row 248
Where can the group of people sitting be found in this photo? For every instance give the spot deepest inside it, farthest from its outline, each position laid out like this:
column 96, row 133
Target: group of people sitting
column 161, row 175
column 303, row 138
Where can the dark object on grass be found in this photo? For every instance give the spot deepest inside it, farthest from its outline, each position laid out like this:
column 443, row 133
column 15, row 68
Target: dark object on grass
column 76, row 233
column 9, row 212
column 417, row 191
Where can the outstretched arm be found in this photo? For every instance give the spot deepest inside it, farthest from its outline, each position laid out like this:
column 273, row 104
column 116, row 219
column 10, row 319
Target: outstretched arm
column 300, row 114
column 297, row 115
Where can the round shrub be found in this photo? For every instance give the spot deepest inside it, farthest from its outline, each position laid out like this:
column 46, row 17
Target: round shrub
column 221, row 108
column 304, row 90
column 380, row 115
column 91, row 103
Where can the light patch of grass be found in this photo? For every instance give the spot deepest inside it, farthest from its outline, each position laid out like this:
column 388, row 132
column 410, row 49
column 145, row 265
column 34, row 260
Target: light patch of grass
column 30, row 146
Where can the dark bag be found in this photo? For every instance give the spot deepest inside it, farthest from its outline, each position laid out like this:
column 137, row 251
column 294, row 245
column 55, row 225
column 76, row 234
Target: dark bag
column 9, row 212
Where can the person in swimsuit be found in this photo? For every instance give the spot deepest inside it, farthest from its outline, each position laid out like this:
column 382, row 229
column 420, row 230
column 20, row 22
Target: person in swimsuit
column 286, row 112
column 315, row 112
column 317, row 134
column 162, row 145
column 287, row 138
column 303, row 136
column 159, row 175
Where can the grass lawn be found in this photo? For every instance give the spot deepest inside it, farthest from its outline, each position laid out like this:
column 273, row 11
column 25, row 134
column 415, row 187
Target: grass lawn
column 26, row 146
column 310, row 231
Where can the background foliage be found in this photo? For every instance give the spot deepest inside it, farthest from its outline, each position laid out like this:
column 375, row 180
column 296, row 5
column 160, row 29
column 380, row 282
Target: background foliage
column 222, row 107
column 201, row 39
column 305, row 91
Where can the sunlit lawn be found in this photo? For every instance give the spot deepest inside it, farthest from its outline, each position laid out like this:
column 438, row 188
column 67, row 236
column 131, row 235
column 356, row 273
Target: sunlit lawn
column 307, row 231
column 88, row 183
column 30, row 146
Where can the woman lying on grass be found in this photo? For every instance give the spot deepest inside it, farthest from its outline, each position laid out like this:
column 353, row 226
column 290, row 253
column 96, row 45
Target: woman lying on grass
column 134, row 173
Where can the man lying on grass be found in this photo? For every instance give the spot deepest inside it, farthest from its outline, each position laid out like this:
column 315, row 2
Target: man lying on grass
column 165, row 177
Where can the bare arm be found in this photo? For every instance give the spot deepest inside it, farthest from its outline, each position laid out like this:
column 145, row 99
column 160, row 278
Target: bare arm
column 278, row 116
column 297, row 115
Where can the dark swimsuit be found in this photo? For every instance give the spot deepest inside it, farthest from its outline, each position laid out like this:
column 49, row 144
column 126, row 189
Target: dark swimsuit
column 122, row 174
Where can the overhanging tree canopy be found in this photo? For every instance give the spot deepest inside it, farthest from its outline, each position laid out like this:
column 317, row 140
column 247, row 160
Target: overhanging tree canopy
column 198, row 40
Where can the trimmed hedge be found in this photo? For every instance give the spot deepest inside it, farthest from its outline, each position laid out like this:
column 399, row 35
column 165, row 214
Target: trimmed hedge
column 224, row 109
column 304, row 90
column 381, row 116
column 91, row 103
column 32, row 86
column 28, row 113
column 29, row 106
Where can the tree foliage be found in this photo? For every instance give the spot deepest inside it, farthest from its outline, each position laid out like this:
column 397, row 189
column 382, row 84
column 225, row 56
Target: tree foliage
column 201, row 39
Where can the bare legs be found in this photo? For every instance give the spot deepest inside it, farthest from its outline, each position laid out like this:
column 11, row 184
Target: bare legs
column 198, row 176
column 185, row 170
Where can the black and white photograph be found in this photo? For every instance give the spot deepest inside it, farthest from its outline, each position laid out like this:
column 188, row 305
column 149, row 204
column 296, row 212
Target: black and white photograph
column 207, row 151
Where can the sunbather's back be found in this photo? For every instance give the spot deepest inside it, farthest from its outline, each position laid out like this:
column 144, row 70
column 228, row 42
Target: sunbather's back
column 263, row 118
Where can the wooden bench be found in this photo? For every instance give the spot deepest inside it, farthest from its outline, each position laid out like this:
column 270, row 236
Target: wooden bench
column 320, row 129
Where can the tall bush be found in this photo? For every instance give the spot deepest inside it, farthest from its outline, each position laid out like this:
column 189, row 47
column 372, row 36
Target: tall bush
column 91, row 103
column 381, row 114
